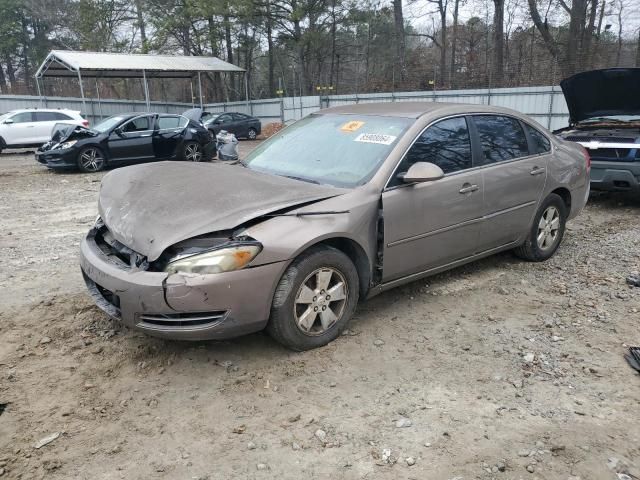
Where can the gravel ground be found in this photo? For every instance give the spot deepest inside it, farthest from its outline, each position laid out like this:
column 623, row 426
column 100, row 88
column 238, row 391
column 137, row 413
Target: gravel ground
column 499, row 369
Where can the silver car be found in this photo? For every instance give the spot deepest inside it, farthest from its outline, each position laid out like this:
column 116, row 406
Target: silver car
column 336, row 208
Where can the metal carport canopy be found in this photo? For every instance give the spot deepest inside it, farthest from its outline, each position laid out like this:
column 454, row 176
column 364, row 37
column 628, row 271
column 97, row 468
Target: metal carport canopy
column 69, row 63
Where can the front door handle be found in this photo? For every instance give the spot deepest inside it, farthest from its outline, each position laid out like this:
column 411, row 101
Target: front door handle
column 146, row 135
column 537, row 171
column 468, row 188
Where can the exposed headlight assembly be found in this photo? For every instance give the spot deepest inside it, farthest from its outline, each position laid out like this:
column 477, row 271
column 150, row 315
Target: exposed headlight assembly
column 226, row 259
column 63, row 145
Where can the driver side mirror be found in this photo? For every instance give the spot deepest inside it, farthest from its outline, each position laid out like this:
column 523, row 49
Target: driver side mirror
column 423, row 172
column 8, row 121
column 118, row 131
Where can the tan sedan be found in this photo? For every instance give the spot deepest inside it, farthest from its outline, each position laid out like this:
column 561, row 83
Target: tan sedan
column 336, row 208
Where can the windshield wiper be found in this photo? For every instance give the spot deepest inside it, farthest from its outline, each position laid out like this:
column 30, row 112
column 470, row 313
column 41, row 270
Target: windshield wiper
column 308, row 214
column 302, row 179
column 589, row 121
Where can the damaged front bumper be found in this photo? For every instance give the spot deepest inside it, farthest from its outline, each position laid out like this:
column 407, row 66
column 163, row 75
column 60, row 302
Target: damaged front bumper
column 180, row 306
column 63, row 158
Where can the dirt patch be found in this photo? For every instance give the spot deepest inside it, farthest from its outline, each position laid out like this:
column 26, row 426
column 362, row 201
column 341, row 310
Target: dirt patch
column 500, row 369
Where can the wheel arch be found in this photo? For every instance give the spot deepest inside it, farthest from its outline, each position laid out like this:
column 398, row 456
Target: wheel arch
column 356, row 254
column 565, row 195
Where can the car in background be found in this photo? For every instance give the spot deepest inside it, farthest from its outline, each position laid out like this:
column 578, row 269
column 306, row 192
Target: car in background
column 604, row 117
column 241, row 125
column 33, row 127
column 340, row 206
column 128, row 138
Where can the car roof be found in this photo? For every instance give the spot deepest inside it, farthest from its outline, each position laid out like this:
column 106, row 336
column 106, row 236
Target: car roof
column 35, row 109
column 413, row 109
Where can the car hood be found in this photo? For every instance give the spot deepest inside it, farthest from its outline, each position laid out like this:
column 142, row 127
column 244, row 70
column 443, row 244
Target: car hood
column 151, row 207
column 598, row 93
column 193, row 114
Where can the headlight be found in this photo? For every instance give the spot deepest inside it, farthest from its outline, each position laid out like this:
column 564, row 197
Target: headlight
column 68, row 144
column 215, row 261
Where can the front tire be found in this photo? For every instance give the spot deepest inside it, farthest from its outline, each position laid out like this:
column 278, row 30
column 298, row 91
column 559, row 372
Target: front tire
column 547, row 231
column 91, row 160
column 193, row 152
column 314, row 300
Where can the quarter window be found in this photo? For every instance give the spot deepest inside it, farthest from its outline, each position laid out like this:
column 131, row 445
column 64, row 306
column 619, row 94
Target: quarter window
column 501, row 138
column 445, row 144
column 539, row 143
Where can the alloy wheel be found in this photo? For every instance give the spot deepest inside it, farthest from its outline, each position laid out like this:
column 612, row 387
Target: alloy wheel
column 548, row 228
column 193, row 152
column 92, row 160
column 252, row 134
column 320, row 301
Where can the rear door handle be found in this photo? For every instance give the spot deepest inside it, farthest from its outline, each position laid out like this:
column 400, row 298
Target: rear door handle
column 468, row 188
column 537, row 171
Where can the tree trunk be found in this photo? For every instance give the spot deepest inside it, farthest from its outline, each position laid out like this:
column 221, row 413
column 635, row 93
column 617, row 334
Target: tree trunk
column 443, row 43
column 498, row 43
column 548, row 39
column 270, row 52
column 638, row 51
column 587, row 37
column 215, row 51
column 4, row 88
column 454, row 39
column 398, row 16
column 142, row 27
column 572, row 59
column 333, row 40
column 229, row 45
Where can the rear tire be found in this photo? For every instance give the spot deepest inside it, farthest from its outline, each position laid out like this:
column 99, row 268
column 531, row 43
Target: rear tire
column 252, row 134
column 546, row 232
column 193, row 152
column 314, row 300
column 91, row 160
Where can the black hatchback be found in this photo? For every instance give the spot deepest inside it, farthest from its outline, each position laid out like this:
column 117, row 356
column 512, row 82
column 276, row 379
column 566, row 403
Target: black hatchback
column 126, row 139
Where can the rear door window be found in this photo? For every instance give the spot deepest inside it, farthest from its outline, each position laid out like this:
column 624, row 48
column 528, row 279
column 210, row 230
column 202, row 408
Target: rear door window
column 501, row 138
column 50, row 116
column 538, row 142
column 166, row 122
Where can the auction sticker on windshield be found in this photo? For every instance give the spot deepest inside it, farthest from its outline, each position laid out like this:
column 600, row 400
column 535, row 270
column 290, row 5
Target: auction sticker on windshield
column 379, row 138
column 351, row 126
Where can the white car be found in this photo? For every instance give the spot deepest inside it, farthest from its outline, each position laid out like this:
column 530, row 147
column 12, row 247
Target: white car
column 32, row 127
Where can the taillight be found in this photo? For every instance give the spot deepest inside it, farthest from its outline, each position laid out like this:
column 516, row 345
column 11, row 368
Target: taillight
column 85, row 123
column 587, row 157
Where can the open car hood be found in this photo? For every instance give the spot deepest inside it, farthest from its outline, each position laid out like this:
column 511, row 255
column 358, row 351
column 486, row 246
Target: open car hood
column 64, row 131
column 151, row 207
column 193, row 114
column 599, row 93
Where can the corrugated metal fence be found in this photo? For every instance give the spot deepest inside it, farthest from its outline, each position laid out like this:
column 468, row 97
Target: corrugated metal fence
column 544, row 104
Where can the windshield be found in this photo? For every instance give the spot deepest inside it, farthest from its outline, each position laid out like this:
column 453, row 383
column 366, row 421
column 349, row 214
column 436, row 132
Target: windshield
column 338, row 150
column 210, row 118
column 5, row 115
column 108, row 123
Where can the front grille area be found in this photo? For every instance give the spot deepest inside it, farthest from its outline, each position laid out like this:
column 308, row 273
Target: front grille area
column 610, row 153
column 177, row 320
column 120, row 254
column 599, row 138
column 109, row 296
